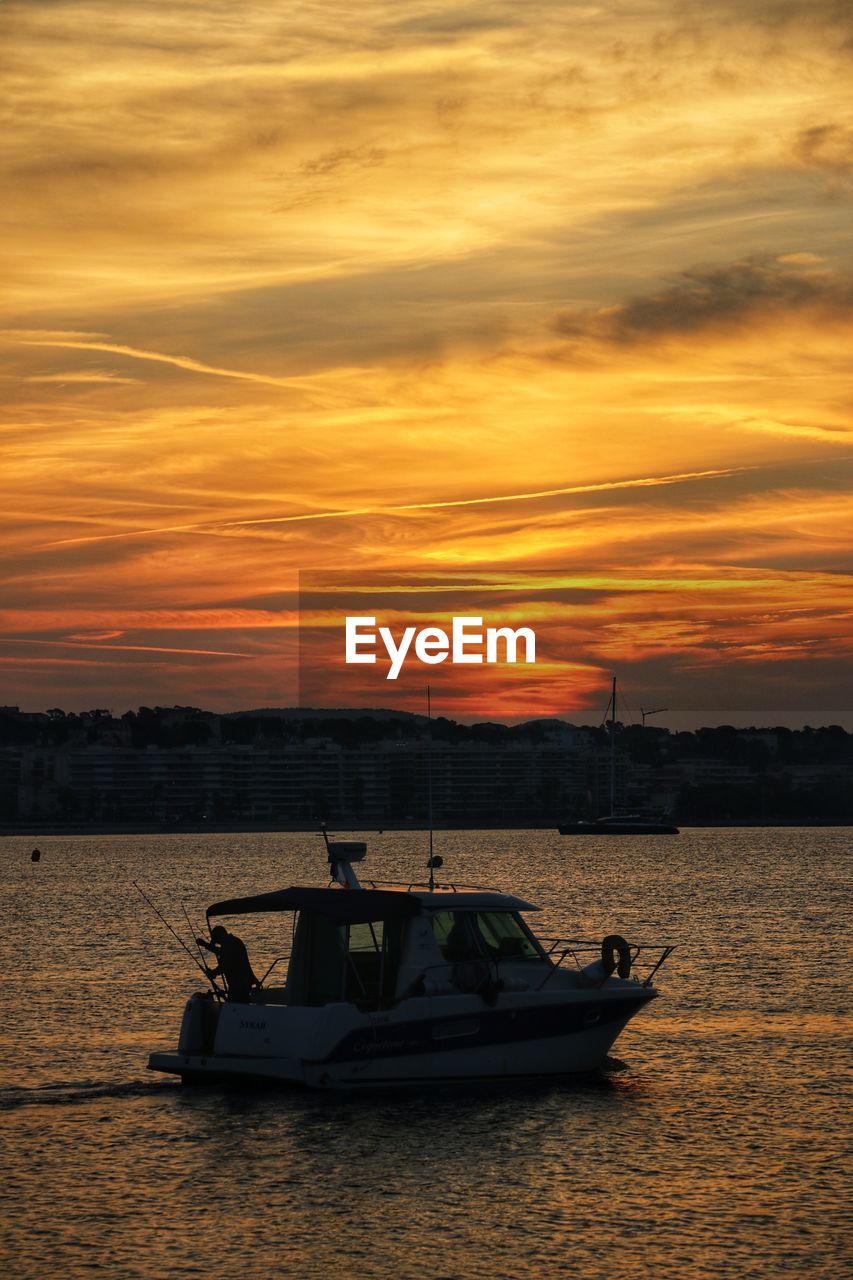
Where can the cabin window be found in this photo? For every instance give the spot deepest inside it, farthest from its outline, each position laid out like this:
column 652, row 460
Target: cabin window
column 506, row 937
column 315, row 975
column 373, row 962
column 333, row 961
column 473, row 935
column 457, row 936
column 364, row 961
column 366, row 938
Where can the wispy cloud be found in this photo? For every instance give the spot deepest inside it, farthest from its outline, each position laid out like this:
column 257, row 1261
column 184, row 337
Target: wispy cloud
column 76, row 376
column 159, row 357
column 644, row 482
column 122, row 648
column 542, row 284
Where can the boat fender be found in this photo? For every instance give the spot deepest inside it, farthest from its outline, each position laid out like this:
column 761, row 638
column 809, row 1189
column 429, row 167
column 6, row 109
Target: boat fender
column 614, row 944
column 195, row 1031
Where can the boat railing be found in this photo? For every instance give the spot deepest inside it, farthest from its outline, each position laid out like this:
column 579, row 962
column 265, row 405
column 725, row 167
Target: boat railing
column 583, row 953
column 278, row 960
column 448, row 886
column 481, row 972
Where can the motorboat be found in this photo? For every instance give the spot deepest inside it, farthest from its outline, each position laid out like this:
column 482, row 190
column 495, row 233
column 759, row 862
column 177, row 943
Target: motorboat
column 390, row 984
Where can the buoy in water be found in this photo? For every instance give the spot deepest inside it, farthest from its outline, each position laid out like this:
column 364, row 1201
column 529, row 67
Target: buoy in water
column 35, row 856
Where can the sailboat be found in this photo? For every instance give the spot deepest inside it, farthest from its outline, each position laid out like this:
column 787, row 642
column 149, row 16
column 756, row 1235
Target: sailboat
column 616, row 824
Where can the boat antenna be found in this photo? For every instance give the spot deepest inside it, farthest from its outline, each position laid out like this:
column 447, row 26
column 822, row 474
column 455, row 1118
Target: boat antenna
column 429, row 789
column 176, row 936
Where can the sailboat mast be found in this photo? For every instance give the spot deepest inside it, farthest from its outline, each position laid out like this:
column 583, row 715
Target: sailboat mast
column 429, row 789
column 613, row 750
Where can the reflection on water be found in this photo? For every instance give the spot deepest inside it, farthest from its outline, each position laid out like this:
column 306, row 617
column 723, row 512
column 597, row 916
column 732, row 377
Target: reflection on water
column 712, row 1152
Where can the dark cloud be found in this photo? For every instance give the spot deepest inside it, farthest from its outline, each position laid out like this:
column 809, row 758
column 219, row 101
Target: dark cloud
column 453, row 23
column 721, row 297
column 776, row 14
column 826, row 146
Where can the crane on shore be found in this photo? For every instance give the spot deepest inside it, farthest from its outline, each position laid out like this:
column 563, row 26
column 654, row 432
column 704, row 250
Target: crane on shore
column 653, row 711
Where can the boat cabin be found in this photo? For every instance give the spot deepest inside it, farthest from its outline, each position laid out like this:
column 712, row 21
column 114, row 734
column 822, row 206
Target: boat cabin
column 375, row 947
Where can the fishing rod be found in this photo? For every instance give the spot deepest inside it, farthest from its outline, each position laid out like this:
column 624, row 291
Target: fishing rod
column 177, row 937
column 192, row 932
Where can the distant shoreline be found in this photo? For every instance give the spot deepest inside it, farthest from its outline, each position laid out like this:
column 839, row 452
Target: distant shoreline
column 252, row 828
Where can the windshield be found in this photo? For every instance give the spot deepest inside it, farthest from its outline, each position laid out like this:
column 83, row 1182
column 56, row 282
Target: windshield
column 472, row 935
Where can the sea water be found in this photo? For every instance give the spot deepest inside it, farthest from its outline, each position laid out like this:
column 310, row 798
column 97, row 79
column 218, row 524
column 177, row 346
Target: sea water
column 712, row 1148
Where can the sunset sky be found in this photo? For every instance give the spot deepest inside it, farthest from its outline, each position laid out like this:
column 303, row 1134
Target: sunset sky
column 430, row 288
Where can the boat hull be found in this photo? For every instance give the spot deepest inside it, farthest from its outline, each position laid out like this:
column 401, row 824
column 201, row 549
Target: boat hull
column 461, row 1040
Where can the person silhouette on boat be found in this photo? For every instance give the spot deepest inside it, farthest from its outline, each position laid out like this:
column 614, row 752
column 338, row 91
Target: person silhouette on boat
column 234, row 965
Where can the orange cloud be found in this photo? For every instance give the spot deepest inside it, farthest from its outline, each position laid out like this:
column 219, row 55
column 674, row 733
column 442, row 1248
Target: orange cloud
column 436, row 291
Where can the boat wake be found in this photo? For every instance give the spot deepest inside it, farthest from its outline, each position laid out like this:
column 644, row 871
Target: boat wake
column 72, row 1092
